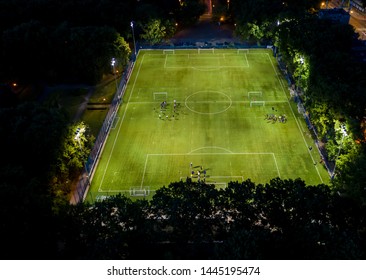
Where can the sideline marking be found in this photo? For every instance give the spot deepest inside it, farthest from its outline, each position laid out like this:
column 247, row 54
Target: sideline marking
column 296, row 120
column 119, row 127
column 198, row 154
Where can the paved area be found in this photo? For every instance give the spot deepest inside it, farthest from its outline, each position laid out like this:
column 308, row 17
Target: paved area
column 357, row 20
column 207, row 32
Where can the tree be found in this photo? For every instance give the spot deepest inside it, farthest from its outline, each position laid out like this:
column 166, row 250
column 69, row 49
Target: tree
column 189, row 12
column 71, row 156
column 31, row 135
column 26, row 52
column 289, row 220
column 185, row 210
column 121, row 51
column 153, row 31
column 283, row 219
column 111, row 229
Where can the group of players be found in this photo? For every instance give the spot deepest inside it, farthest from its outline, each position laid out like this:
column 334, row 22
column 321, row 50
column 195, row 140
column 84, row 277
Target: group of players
column 198, row 173
column 274, row 118
column 163, row 112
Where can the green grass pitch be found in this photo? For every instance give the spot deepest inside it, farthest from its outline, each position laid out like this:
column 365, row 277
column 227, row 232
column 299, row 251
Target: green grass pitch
column 215, row 125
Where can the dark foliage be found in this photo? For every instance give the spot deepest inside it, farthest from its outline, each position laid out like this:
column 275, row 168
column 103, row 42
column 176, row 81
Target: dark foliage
column 284, row 219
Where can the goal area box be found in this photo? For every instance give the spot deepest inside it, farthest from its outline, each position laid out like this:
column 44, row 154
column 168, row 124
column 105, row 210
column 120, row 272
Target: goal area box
column 162, row 96
column 216, row 163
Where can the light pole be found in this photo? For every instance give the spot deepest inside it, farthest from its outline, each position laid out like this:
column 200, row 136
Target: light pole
column 344, row 133
column 133, row 37
column 113, row 63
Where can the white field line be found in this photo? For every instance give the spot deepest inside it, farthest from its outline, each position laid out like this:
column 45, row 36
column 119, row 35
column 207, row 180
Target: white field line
column 197, row 56
column 120, row 125
column 166, row 58
column 213, row 177
column 246, row 59
column 204, row 67
column 297, row 122
column 143, row 174
column 275, row 160
column 198, row 154
column 210, row 147
column 201, row 154
column 302, row 127
column 207, row 102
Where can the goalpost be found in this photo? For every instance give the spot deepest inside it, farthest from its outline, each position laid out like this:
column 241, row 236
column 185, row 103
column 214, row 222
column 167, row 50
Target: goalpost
column 206, row 50
column 168, row 52
column 257, row 103
column 140, row 191
column 243, row 51
column 160, row 95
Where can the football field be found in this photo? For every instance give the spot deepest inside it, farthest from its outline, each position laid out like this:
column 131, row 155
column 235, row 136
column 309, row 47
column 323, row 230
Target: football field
column 209, row 115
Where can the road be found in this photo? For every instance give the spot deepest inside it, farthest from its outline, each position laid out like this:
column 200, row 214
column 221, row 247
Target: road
column 357, row 20
column 206, row 31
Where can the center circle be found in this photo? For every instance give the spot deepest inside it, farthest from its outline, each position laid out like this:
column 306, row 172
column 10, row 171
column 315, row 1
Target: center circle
column 208, row 102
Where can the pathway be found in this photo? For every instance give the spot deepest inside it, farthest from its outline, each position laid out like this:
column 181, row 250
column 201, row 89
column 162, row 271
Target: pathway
column 207, row 32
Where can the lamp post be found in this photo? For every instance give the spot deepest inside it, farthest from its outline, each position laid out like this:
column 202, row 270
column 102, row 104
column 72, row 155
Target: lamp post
column 113, row 63
column 344, row 133
column 133, row 37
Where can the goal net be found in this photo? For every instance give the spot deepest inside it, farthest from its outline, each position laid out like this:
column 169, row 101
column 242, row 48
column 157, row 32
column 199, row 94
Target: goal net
column 254, row 94
column 160, row 95
column 168, row 52
column 243, row 51
column 257, row 103
column 140, row 191
column 200, row 51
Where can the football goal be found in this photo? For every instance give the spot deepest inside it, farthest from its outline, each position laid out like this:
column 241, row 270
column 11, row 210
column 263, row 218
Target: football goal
column 168, row 52
column 257, row 103
column 140, row 191
column 160, row 96
column 243, row 51
column 200, row 51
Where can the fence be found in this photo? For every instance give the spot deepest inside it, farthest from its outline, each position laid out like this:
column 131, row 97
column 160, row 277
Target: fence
column 297, row 93
column 84, row 179
column 189, row 44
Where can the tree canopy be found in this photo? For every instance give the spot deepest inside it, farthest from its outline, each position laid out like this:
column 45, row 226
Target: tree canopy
column 283, row 219
column 74, row 41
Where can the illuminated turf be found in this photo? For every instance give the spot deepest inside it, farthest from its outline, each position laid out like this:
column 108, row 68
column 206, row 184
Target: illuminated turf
column 218, row 123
